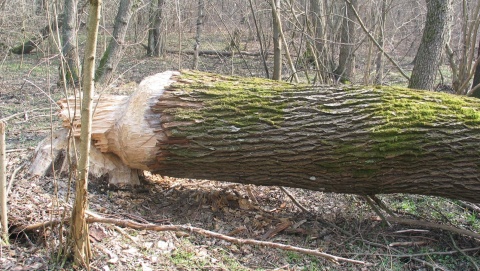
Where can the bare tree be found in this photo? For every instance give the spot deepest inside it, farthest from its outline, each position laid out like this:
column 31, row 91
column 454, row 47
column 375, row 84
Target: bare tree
column 346, row 60
column 379, row 67
column 475, row 92
column 319, row 25
column 435, row 34
column 71, row 72
column 156, row 39
column 80, row 244
column 277, row 43
column 113, row 54
column 196, row 48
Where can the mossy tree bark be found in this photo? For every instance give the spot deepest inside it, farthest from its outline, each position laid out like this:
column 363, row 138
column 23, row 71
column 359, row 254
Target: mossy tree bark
column 358, row 140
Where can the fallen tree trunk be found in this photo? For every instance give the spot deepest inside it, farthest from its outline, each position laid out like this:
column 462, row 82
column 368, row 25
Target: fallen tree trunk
column 358, row 140
column 32, row 43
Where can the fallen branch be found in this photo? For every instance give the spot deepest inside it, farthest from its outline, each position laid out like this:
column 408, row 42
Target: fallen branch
column 294, row 200
column 433, row 225
column 93, row 218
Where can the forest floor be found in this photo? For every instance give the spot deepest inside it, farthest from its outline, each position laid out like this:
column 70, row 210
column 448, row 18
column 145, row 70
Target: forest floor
column 342, row 225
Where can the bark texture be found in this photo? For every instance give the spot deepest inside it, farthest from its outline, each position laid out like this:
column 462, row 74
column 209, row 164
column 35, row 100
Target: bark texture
column 346, row 59
column 69, row 44
column 111, row 57
column 79, row 239
column 359, row 140
column 476, row 76
column 435, row 34
column 277, row 43
column 156, row 37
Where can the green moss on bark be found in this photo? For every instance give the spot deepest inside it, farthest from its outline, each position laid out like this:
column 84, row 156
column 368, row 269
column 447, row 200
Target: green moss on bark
column 231, row 101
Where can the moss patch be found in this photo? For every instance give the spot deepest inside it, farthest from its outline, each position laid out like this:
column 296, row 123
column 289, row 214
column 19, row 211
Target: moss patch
column 231, row 101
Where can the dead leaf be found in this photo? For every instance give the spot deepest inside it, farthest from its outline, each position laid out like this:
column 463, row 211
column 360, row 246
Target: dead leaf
column 278, row 228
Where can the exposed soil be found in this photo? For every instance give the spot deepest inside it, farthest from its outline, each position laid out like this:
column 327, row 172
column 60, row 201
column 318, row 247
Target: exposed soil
column 342, row 225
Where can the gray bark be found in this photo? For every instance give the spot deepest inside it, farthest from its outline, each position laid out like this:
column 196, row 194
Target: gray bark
column 198, row 35
column 277, row 44
column 476, row 76
column 70, row 72
column 434, row 38
column 113, row 54
column 156, row 39
column 346, row 60
column 324, row 58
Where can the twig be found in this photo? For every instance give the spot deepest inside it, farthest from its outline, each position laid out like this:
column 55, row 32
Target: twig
column 294, row 200
column 362, row 25
column 382, row 205
column 12, row 178
column 376, row 210
column 94, row 218
column 451, row 252
column 463, row 253
column 470, row 206
column 15, row 150
column 428, row 224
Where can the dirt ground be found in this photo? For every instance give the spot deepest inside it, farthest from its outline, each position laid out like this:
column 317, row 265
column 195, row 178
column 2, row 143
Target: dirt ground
column 342, row 225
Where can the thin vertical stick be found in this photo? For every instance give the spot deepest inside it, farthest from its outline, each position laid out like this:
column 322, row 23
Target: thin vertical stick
column 3, row 183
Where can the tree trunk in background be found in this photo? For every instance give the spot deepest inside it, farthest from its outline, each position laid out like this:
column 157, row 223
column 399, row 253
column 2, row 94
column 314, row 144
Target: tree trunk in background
column 319, row 26
column 40, row 6
column 429, row 54
column 476, row 77
column 28, row 46
column 79, row 238
column 112, row 56
column 156, row 39
column 346, row 60
column 359, row 140
column 277, row 44
column 198, row 35
column 380, row 39
column 71, row 71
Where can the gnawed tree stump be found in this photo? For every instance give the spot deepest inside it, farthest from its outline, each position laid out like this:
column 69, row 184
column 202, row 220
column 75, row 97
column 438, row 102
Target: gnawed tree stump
column 358, row 140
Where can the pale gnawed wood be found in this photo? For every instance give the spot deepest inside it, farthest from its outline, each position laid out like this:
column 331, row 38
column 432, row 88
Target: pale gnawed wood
column 123, row 134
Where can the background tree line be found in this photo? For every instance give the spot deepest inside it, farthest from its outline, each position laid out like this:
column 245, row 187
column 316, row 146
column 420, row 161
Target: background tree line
column 365, row 42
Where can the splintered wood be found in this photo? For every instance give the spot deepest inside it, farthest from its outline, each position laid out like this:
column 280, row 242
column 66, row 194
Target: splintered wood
column 106, row 113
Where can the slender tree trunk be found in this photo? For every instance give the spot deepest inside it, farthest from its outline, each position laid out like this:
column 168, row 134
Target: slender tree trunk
column 429, row 54
column 278, row 20
column 380, row 39
column 263, row 51
column 359, row 140
column 319, row 29
column 156, row 39
column 79, row 229
column 3, row 187
column 71, row 72
column 346, row 60
column 476, row 77
column 277, row 45
column 112, row 56
column 196, row 47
